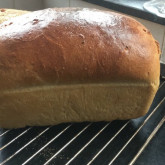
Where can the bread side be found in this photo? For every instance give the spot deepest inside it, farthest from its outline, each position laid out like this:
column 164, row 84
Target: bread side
column 52, row 105
column 6, row 14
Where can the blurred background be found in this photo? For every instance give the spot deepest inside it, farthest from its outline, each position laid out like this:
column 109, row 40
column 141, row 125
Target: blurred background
column 135, row 7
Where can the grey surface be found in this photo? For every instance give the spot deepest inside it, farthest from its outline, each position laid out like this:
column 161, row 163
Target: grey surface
column 130, row 7
column 162, row 70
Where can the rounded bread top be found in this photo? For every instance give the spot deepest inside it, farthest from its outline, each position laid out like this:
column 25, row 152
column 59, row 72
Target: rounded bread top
column 6, row 14
column 72, row 46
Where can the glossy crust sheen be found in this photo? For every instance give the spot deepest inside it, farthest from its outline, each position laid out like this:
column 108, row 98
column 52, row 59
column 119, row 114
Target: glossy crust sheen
column 67, row 46
column 6, row 14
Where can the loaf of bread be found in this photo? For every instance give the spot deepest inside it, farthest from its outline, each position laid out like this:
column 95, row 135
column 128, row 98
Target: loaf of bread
column 6, row 14
column 75, row 65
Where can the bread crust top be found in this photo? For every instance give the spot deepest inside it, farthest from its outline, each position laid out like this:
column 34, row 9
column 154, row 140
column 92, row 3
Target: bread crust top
column 74, row 45
column 6, row 14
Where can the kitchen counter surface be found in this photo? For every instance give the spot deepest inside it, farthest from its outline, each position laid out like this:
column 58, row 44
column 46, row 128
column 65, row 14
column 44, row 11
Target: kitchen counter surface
column 130, row 7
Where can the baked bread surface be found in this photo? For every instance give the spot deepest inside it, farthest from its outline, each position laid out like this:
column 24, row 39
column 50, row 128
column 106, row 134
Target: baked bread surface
column 6, row 14
column 73, row 65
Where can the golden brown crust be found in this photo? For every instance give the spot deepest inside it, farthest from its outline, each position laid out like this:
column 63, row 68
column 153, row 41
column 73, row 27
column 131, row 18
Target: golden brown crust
column 61, row 46
column 6, row 14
